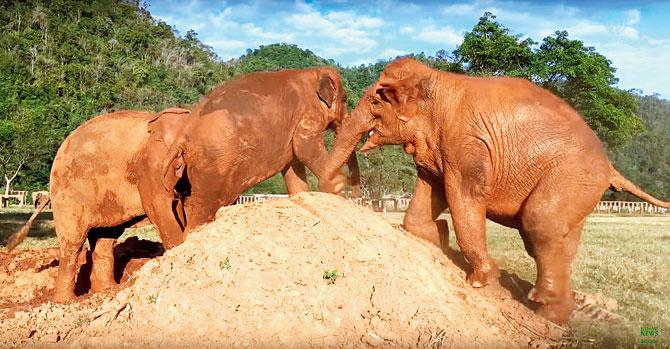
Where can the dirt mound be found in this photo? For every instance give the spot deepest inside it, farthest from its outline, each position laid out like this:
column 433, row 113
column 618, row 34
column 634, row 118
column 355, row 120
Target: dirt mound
column 310, row 270
column 24, row 276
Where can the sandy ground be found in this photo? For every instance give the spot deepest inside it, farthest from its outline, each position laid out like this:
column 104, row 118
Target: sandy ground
column 312, row 270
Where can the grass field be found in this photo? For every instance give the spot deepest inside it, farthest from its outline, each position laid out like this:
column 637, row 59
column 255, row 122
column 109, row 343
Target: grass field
column 624, row 258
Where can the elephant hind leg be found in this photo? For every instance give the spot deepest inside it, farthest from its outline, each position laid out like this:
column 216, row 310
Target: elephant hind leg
column 552, row 289
column 102, row 241
column 527, row 243
column 551, row 222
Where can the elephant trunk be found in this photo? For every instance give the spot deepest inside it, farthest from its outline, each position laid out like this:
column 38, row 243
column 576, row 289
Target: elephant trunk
column 354, row 176
column 350, row 132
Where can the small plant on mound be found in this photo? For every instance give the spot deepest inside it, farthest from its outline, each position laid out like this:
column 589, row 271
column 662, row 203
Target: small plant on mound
column 152, row 299
column 225, row 264
column 330, row 276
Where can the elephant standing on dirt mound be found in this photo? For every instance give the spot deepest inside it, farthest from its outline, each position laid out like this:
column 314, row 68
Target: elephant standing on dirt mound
column 497, row 148
column 106, row 177
column 252, row 128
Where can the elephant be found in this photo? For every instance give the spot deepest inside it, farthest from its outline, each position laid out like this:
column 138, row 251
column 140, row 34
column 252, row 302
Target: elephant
column 490, row 147
column 251, row 128
column 106, row 177
column 39, row 197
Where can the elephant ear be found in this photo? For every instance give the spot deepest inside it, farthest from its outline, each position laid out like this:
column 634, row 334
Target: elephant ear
column 404, row 95
column 168, row 125
column 326, row 90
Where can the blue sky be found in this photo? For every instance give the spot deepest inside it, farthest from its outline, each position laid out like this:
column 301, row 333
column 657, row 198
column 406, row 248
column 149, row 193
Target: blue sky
column 634, row 35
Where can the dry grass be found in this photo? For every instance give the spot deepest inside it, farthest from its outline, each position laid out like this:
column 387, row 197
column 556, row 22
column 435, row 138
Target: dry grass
column 624, row 258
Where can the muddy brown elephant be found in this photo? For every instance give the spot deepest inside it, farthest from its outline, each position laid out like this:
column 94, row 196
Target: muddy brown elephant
column 39, row 197
column 106, row 177
column 253, row 127
column 497, row 148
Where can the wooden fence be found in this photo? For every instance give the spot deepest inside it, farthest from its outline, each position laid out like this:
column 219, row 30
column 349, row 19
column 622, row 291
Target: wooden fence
column 400, row 204
column 18, row 196
column 633, row 207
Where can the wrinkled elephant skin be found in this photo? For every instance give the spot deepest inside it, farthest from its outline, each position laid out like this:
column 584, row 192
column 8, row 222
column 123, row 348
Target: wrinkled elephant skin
column 497, row 148
column 253, row 127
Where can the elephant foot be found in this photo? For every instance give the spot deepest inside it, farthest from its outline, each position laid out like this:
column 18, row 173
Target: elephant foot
column 551, row 306
column 97, row 286
column 62, row 297
column 558, row 313
column 483, row 276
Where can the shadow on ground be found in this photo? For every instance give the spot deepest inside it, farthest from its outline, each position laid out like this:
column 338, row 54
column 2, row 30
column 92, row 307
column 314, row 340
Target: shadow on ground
column 517, row 286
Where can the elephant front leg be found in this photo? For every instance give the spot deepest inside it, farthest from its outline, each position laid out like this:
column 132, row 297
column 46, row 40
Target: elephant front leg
column 427, row 203
column 469, row 217
column 310, row 149
column 295, row 178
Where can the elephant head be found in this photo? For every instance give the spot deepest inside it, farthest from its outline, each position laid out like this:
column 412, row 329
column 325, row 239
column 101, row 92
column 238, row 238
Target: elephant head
column 390, row 110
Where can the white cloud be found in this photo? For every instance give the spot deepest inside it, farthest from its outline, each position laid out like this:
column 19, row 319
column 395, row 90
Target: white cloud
column 391, row 53
column 640, row 66
column 351, row 19
column 461, row 9
column 346, row 31
column 628, row 32
column 406, row 30
column 440, row 36
column 583, row 28
column 226, row 45
column 632, row 16
column 252, row 30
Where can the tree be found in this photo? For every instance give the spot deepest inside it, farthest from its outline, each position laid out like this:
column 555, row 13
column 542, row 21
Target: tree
column 645, row 160
column 490, row 49
column 19, row 148
column 276, row 57
column 585, row 79
column 63, row 62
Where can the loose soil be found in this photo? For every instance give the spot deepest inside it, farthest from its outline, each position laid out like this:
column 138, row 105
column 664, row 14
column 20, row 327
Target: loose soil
column 312, row 270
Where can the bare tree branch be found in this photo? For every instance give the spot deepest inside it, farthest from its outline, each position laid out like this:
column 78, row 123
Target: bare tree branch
column 23, row 161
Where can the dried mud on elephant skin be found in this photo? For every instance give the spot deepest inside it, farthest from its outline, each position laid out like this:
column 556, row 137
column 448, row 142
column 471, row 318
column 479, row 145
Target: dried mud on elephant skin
column 256, row 277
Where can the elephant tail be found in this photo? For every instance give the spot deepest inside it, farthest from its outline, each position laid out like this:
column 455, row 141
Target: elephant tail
column 620, row 183
column 16, row 238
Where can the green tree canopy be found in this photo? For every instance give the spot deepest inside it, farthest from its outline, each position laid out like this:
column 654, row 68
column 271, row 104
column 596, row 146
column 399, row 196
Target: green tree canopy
column 276, row 57
column 63, row 62
column 490, row 49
